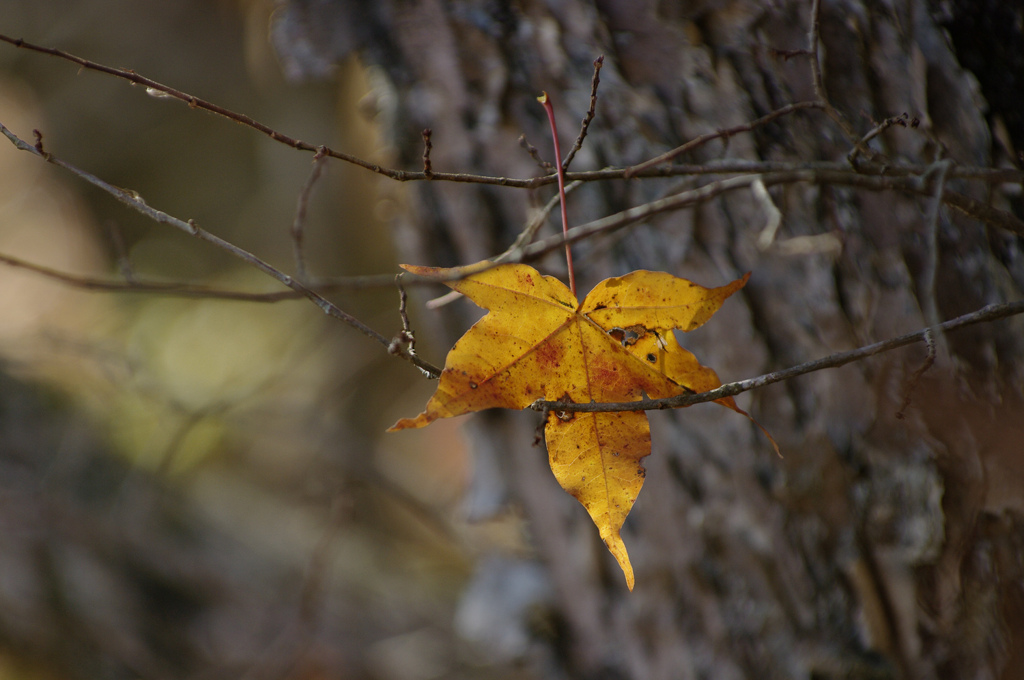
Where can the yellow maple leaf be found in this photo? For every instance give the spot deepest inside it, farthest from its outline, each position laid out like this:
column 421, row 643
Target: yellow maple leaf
column 537, row 342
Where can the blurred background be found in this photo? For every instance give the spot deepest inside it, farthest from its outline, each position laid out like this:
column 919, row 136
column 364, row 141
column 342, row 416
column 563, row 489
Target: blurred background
column 196, row 487
column 202, row 488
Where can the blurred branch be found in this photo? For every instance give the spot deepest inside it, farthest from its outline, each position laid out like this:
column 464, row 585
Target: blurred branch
column 189, row 290
column 134, row 201
column 298, row 230
column 149, row 287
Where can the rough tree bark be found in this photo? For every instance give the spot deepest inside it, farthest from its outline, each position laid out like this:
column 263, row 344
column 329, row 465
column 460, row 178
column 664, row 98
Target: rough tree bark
column 879, row 545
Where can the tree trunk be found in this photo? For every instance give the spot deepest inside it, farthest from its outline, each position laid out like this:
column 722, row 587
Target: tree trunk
column 887, row 540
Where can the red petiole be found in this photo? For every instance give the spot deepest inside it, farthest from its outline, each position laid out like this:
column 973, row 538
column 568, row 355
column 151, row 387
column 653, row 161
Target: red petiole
column 546, row 101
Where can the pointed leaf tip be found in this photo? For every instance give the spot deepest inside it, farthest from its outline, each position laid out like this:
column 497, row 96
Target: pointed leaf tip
column 613, row 541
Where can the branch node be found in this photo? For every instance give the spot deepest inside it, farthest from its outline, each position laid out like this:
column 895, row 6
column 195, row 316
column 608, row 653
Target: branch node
column 535, row 155
column 404, row 342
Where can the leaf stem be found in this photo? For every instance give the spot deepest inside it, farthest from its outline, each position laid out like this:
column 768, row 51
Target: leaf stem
column 546, row 101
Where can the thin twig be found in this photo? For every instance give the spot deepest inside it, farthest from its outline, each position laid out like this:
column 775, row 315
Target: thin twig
column 585, row 123
column 147, row 287
column 514, row 251
column 812, row 47
column 897, row 179
column 819, row 174
column 527, row 235
column 403, row 300
column 405, row 341
column 191, row 290
column 986, row 174
column 299, row 223
column 427, row 146
column 984, row 212
column 735, row 130
column 159, row 89
column 818, row 80
column 708, row 191
column 915, row 378
column 985, row 314
column 535, row 155
column 124, row 263
column 786, row 55
column 900, row 120
column 867, row 176
column 929, row 305
column 134, row 201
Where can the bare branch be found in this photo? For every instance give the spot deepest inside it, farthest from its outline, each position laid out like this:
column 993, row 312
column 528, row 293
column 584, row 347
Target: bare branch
column 985, row 314
column 929, row 305
column 154, row 87
column 299, row 223
column 190, row 290
column 735, row 130
column 527, row 235
column 170, row 289
column 535, row 155
column 816, row 174
column 134, row 201
column 585, row 123
column 818, row 81
column 900, row 120
column 907, row 184
column 985, row 174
